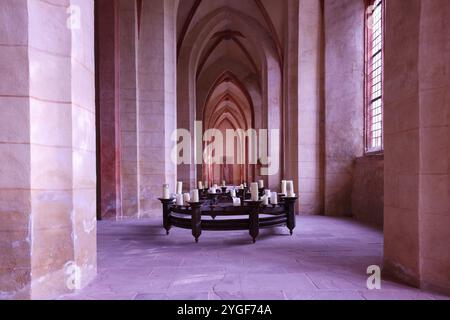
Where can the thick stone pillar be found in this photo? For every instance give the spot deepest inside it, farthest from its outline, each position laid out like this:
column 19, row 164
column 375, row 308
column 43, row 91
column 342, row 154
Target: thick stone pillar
column 304, row 104
column 344, row 104
column 127, row 41
column 47, row 202
column 417, row 105
column 15, row 152
column 402, row 140
column 156, row 102
column 108, row 107
column 434, row 96
column 84, row 182
column 311, row 107
column 291, row 60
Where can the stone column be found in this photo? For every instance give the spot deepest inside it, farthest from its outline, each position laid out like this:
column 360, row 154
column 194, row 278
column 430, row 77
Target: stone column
column 48, row 178
column 15, row 175
column 156, row 102
column 402, row 140
column 434, row 97
column 304, row 104
column 127, row 55
column 417, row 104
column 108, row 106
column 84, row 193
column 310, row 109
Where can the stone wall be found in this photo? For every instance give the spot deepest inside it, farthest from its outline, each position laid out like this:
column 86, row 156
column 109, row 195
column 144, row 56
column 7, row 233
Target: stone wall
column 368, row 190
column 344, row 100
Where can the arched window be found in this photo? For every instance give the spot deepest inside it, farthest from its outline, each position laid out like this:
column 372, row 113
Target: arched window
column 374, row 76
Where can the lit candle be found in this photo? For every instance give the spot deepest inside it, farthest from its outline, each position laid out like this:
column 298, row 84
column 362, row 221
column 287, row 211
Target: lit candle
column 242, row 186
column 283, row 187
column 290, row 189
column 254, row 191
column 180, row 187
column 195, row 196
column 274, row 198
column 224, row 183
column 236, row 202
column 179, row 199
column 186, row 198
column 166, row 192
column 265, row 200
column 261, row 184
column 200, row 185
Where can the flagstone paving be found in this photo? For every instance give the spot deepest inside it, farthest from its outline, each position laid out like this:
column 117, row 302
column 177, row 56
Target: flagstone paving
column 326, row 258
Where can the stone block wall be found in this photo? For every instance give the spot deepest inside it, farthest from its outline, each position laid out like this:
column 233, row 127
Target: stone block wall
column 48, row 189
column 368, row 190
column 344, row 100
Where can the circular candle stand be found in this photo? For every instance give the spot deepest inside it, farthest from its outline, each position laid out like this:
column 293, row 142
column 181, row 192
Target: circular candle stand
column 250, row 215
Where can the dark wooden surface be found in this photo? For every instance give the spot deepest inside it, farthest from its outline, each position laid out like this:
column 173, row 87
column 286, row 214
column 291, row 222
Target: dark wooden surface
column 251, row 215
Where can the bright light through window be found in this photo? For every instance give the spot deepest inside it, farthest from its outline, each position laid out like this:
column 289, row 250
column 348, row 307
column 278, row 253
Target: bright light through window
column 374, row 81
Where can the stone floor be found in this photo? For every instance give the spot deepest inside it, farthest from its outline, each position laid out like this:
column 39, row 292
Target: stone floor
column 327, row 258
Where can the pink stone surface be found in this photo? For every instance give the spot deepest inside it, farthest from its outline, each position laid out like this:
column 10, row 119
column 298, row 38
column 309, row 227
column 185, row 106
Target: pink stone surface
column 48, row 191
column 368, row 190
column 344, row 100
column 416, row 153
column 327, row 258
column 301, row 70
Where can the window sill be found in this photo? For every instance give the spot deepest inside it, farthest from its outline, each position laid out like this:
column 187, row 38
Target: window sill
column 374, row 155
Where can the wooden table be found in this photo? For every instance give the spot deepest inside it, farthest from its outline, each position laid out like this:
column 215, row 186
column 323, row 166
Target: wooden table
column 251, row 216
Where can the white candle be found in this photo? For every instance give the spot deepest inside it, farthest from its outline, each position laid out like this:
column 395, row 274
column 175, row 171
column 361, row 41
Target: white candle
column 180, row 187
column 254, row 191
column 290, row 189
column 267, row 193
column 224, row 183
column 236, row 202
column 212, row 190
column 166, row 192
column 186, row 198
column 261, row 184
column 242, row 186
column 206, row 185
column 274, row 198
column 200, row 185
column 283, row 187
column 233, row 193
column 195, row 196
column 245, row 184
column 179, row 199
column 265, row 200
